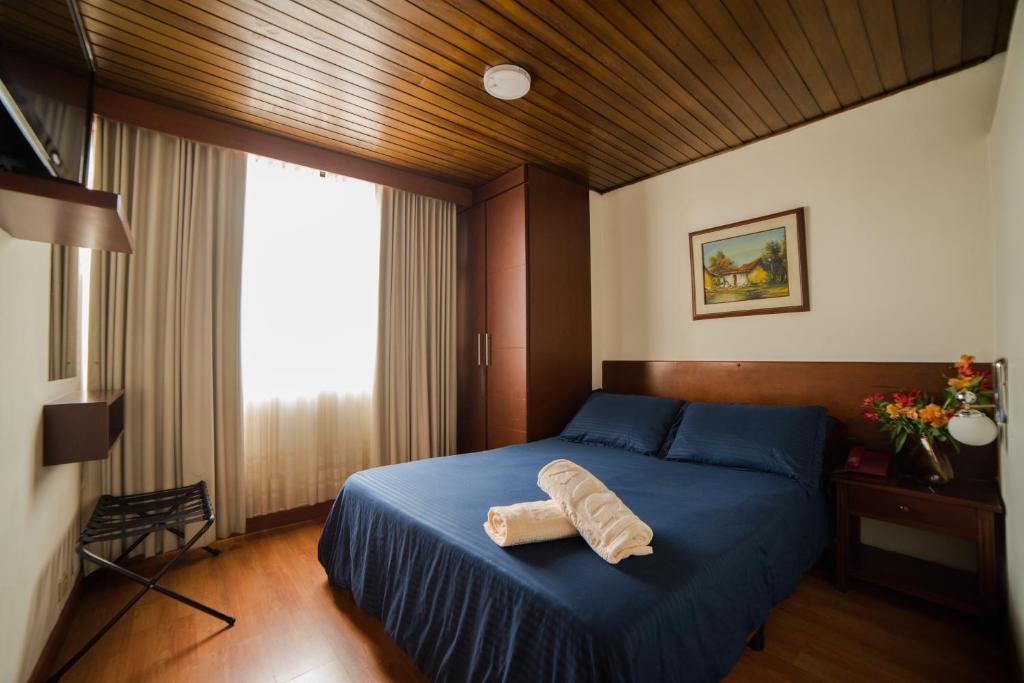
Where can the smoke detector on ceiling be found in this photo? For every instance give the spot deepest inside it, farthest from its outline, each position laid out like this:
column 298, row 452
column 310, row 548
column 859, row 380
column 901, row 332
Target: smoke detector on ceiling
column 507, row 81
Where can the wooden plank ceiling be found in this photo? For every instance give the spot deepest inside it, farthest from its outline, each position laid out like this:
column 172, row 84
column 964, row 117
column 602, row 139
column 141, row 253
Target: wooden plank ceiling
column 621, row 89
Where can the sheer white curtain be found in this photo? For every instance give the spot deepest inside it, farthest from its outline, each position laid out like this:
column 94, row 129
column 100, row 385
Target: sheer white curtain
column 309, row 332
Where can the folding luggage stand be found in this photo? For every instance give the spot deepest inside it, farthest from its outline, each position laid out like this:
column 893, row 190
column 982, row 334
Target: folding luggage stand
column 121, row 517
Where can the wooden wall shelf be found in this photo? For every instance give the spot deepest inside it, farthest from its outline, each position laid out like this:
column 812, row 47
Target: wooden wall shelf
column 82, row 426
column 60, row 212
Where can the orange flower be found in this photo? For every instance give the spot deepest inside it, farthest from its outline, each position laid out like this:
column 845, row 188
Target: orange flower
column 910, row 412
column 933, row 415
column 959, row 383
column 964, row 362
column 893, row 410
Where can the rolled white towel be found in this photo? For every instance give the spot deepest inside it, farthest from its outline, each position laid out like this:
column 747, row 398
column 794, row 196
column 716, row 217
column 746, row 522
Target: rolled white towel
column 604, row 521
column 532, row 522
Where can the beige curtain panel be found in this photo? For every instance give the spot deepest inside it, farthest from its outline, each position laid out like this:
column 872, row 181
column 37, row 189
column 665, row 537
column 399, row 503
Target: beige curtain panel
column 414, row 392
column 164, row 321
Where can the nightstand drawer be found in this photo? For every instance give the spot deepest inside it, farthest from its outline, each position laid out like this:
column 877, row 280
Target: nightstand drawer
column 913, row 511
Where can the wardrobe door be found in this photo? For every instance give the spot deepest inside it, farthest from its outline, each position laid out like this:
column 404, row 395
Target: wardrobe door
column 471, row 325
column 505, row 342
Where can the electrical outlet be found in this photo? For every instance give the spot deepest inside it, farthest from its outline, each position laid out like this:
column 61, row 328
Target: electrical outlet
column 62, row 588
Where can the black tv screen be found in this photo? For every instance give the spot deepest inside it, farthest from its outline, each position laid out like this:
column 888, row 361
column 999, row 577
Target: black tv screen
column 46, row 81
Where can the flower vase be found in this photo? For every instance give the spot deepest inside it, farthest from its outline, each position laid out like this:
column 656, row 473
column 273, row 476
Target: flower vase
column 938, row 470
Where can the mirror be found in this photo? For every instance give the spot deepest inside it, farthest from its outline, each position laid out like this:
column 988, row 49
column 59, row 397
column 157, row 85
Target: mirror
column 64, row 307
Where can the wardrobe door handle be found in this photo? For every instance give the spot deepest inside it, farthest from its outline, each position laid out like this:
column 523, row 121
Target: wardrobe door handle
column 478, row 348
column 487, row 349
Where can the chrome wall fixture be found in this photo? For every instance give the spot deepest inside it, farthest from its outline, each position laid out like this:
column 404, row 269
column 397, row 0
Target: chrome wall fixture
column 1002, row 393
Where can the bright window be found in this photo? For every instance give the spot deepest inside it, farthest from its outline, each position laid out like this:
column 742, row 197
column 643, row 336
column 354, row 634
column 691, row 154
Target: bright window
column 309, row 283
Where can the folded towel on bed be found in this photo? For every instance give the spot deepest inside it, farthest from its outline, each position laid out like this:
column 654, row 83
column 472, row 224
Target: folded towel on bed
column 532, row 522
column 604, row 521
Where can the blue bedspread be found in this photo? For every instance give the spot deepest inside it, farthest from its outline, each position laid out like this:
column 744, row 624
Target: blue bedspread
column 728, row 545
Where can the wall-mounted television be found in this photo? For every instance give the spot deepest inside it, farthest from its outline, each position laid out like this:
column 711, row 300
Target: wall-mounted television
column 46, row 89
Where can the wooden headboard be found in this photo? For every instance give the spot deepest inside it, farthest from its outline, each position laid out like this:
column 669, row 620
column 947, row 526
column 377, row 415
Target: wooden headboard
column 838, row 386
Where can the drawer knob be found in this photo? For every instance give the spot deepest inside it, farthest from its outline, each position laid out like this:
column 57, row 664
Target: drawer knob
column 903, row 508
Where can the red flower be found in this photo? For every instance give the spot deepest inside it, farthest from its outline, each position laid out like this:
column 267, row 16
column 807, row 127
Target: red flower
column 871, row 415
column 986, row 381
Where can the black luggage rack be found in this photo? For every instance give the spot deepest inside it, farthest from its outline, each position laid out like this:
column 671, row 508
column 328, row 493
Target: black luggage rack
column 123, row 517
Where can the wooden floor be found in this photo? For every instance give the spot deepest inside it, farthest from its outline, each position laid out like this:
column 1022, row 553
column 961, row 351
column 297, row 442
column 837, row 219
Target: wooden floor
column 292, row 626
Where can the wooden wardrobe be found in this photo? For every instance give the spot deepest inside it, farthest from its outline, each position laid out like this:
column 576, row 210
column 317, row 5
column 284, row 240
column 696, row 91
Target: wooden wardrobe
column 523, row 309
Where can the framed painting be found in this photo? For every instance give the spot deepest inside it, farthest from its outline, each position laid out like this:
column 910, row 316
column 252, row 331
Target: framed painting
column 752, row 267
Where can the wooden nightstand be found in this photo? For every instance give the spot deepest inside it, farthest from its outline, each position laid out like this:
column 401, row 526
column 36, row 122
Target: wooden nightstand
column 966, row 509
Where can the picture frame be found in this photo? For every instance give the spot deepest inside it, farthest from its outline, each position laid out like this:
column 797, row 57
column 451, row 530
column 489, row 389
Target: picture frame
column 756, row 266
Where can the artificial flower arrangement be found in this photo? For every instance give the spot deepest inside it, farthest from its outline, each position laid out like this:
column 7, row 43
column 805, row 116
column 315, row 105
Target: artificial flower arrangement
column 915, row 414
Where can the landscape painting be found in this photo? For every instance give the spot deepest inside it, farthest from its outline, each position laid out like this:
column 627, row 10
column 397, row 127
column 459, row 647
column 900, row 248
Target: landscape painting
column 746, row 267
column 750, row 267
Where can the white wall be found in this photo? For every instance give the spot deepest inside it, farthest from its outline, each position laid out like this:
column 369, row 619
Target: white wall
column 899, row 251
column 1006, row 149
column 38, row 506
column 898, row 240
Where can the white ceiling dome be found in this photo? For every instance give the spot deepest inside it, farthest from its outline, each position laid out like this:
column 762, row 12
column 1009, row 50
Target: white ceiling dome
column 507, row 81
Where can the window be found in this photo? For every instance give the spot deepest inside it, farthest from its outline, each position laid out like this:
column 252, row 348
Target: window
column 309, row 283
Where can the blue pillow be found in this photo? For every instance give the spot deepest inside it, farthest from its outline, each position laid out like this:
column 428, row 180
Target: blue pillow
column 633, row 423
column 786, row 440
column 670, row 437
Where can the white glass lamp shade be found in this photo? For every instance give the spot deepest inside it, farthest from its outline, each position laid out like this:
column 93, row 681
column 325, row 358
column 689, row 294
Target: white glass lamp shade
column 973, row 428
column 507, row 81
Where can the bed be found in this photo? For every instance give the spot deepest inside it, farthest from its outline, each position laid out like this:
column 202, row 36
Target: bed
column 728, row 543
column 407, row 541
